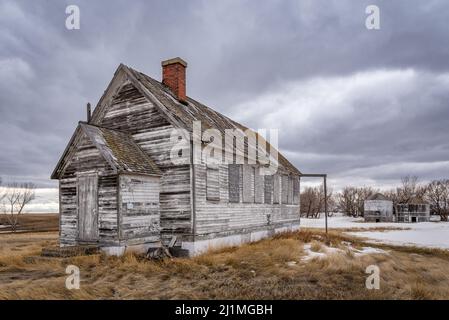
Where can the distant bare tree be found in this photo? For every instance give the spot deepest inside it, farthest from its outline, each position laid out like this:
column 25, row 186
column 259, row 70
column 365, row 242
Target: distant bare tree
column 2, row 192
column 347, row 201
column 409, row 189
column 16, row 197
column 312, row 201
column 437, row 194
column 2, row 196
column 351, row 200
column 308, row 202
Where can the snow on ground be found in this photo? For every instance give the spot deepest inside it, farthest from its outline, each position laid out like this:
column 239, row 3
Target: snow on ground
column 309, row 254
column 325, row 251
column 422, row 234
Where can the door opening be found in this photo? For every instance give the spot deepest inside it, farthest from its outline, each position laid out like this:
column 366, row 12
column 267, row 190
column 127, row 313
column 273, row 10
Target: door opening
column 87, row 207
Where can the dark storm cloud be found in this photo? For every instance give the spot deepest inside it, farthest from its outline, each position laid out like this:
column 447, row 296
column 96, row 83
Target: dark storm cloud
column 376, row 102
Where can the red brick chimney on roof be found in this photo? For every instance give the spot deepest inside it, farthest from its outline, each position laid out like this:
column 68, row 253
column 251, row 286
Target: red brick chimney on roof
column 174, row 76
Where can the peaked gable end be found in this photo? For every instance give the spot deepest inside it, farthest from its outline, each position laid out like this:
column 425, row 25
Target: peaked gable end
column 117, row 149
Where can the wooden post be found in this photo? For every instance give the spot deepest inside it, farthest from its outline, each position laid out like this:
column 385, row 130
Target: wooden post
column 325, row 201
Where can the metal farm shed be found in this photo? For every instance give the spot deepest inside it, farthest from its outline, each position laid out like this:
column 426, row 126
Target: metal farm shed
column 378, row 208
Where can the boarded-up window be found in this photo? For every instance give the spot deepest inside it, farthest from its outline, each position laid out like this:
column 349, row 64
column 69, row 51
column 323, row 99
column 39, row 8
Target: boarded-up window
column 295, row 190
column 276, row 188
column 290, row 189
column 212, row 184
column 234, row 182
column 258, row 187
column 284, row 189
column 248, row 184
column 268, row 189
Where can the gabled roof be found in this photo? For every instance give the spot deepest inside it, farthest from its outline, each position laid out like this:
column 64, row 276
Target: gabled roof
column 179, row 114
column 377, row 196
column 117, row 148
column 415, row 200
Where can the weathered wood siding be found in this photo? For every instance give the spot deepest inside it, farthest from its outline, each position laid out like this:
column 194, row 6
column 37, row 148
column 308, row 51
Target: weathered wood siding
column 212, row 183
column 248, row 184
column 233, row 181
column 223, row 217
column 130, row 112
column 259, row 186
column 86, row 159
column 139, row 208
column 87, row 190
column 276, row 188
column 268, row 190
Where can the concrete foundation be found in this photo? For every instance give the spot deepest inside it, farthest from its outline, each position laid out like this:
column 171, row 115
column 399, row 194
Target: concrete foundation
column 121, row 250
column 201, row 246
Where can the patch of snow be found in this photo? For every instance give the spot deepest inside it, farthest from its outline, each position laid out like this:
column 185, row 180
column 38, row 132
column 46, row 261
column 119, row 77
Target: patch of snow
column 326, row 251
column 421, row 234
column 312, row 254
column 368, row 250
column 344, row 222
column 432, row 237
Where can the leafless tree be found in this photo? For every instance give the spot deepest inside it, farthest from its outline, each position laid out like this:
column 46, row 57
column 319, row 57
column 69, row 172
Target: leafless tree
column 312, row 201
column 16, row 197
column 347, row 201
column 2, row 192
column 410, row 189
column 351, row 200
column 307, row 202
column 2, row 196
column 437, row 194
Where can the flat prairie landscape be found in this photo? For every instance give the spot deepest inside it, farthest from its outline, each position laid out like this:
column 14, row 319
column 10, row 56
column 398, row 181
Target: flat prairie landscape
column 37, row 222
column 298, row 265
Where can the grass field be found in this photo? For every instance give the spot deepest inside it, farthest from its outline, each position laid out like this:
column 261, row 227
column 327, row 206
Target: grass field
column 299, row 265
column 32, row 223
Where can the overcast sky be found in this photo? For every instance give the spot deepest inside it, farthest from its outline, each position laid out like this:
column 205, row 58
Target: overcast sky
column 365, row 106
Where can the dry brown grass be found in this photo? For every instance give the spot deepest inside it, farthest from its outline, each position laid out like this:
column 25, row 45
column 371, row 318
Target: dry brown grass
column 262, row 270
column 33, row 222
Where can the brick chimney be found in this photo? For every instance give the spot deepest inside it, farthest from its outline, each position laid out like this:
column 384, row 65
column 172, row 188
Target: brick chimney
column 174, row 76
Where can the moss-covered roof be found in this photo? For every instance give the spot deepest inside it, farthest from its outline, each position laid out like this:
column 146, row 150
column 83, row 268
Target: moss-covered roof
column 120, row 150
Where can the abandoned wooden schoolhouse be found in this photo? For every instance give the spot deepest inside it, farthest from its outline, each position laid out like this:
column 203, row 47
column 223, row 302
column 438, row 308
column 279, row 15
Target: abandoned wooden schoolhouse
column 120, row 190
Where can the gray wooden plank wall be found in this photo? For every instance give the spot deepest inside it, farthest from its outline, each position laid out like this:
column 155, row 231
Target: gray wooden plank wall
column 225, row 216
column 132, row 113
column 139, row 207
column 87, row 159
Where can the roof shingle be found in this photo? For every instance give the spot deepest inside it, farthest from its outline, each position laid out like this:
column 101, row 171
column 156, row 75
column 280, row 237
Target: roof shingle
column 120, row 150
